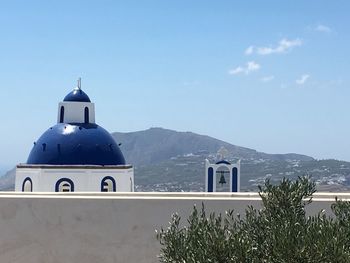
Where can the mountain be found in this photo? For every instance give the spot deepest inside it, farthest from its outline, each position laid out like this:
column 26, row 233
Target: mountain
column 157, row 144
column 7, row 181
column 167, row 160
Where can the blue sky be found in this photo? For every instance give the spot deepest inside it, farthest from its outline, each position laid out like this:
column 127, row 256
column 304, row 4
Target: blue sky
column 269, row 75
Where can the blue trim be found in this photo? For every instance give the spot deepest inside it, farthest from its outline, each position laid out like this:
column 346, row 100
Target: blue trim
column 234, row 179
column 62, row 114
column 64, row 180
column 223, row 162
column 31, row 183
column 210, row 179
column 113, row 181
column 86, row 115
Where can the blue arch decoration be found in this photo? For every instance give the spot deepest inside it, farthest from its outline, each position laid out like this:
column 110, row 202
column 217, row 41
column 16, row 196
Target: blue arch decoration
column 210, row 179
column 64, row 180
column 223, row 162
column 31, row 184
column 113, row 181
column 234, row 179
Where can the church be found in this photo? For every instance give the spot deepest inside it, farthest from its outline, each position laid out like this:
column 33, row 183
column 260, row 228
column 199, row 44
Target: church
column 75, row 155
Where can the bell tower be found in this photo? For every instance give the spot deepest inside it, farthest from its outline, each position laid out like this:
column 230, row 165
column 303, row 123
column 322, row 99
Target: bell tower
column 226, row 172
column 76, row 107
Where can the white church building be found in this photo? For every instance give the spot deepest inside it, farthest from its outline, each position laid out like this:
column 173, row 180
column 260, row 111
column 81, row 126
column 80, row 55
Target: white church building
column 76, row 154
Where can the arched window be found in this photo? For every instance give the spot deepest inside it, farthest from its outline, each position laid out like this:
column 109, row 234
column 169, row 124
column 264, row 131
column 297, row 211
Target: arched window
column 27, row 185
column 62, row 114
column 210, row 179
column 222, row 178
column 108, row 184
column 86, row 115
column 234, row 179
column 64, row 185
column 131, row 188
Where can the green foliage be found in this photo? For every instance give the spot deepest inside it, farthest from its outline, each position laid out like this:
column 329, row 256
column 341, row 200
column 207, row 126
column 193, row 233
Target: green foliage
column 279, row 232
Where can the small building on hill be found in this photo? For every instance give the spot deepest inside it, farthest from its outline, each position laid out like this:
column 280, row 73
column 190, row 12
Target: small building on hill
column 76, row 154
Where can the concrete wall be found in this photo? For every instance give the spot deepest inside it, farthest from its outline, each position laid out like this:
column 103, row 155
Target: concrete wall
column 103, row 227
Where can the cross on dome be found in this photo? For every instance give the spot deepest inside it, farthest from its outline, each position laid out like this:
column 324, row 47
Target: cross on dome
column 79, row 83
column 77, row 94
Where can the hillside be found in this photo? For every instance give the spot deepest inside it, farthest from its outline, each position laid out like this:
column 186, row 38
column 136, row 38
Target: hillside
column 167, row 160
column 7, row 181
column 157, row 144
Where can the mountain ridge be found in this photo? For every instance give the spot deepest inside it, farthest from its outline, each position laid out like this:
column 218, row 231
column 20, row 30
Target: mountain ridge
column 158, row 144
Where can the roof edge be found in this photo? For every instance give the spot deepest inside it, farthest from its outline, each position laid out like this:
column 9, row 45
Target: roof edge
column 73, row 166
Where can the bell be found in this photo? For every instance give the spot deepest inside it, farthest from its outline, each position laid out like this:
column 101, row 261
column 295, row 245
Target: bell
column 222, row 179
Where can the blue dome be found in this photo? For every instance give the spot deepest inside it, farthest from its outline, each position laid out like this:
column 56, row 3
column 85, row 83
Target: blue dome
column 76, row 144
column 77, row 95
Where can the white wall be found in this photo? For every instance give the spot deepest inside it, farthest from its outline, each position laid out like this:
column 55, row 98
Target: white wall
column 103, row 227
column 44, row 179
column 74, row 112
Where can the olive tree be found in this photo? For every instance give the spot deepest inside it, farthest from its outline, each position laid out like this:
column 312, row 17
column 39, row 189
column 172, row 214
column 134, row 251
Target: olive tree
column 278, row 232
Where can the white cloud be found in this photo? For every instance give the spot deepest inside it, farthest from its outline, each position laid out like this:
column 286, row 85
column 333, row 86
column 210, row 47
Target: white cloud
column 284, row 45
column 249, row 50
column 248, row 68
column 267, row 78
column 302, row 79
column 323, row 28
column 252, row 66
column 236, row 71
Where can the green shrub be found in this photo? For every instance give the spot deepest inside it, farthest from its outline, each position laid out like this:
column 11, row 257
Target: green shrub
column 279, row 232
